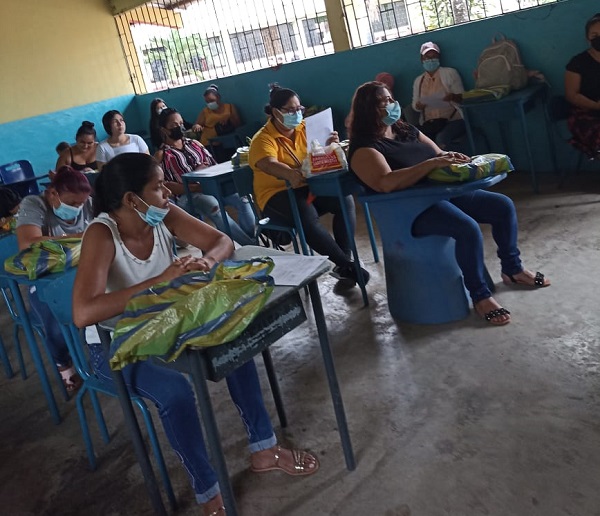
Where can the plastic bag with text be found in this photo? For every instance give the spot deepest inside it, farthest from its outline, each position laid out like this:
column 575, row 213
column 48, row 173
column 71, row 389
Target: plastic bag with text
column 324, row 159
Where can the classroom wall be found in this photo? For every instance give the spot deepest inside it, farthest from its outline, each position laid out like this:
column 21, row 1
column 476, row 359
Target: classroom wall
column 547, row 36
column 48, row 102
column 60, row 60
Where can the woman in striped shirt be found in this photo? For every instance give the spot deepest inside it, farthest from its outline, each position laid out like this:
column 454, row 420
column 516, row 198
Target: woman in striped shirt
column 180, row 155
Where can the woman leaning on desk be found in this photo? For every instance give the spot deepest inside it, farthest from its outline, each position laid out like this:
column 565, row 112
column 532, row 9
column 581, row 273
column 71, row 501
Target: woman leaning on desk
column 582, row 90
column 128, row 248
column 64, row 209
column 180, row 155
column 387, row 154
column 276, row 155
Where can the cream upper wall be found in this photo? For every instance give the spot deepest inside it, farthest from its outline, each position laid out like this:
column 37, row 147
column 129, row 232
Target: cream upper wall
column 57, row 54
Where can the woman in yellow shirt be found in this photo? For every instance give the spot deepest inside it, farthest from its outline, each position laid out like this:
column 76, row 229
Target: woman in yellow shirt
column 276, row 154
column 216, row 119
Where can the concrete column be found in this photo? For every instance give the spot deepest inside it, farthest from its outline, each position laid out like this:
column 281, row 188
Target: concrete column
column 337, row 25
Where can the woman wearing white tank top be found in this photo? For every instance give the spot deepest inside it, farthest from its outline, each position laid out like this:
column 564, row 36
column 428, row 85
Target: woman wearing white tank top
column 128, row 248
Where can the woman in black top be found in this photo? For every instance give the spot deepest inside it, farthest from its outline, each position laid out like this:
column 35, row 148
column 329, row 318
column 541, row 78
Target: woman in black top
column 387, row 154
column 582, row 89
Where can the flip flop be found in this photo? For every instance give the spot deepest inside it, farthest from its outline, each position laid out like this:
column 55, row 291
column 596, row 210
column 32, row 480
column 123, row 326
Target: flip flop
column 538, row 281
column 298, row 469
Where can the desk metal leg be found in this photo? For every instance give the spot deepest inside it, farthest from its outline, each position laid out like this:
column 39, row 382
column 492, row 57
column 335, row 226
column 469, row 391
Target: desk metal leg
column 134, row 430
column 350, row 233
column 334, row 388
column 266, row 354
column 34, row 350
column 212, row 432
column 528, row 147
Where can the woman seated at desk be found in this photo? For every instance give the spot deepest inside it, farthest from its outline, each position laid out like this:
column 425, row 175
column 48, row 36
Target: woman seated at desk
column 180, row 155
column 118, row 142
column 82, row 155
column 582, row 90
column 64, row 209
column 128, row 248
column 276, row 155
column 387, row 155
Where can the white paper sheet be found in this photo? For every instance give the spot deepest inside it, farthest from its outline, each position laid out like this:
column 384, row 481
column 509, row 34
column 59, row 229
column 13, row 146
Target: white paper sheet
column 293, row 269
column 319, row 127
column 435, row 101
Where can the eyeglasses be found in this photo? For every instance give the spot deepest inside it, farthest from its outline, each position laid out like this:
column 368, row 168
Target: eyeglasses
column 292, row 111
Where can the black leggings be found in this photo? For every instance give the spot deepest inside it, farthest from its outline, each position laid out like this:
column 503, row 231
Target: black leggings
column 278, row 209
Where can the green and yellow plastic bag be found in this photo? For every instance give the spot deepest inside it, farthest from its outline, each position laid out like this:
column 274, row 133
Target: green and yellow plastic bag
column 197, row 309
column 479, row 167
column 45, row 257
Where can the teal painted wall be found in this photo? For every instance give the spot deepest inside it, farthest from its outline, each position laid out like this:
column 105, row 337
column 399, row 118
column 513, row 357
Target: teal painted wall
column 548, row 37
column 35, row 138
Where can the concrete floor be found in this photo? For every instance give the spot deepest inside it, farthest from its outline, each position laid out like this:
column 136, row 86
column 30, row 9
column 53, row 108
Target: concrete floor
column 458, row 419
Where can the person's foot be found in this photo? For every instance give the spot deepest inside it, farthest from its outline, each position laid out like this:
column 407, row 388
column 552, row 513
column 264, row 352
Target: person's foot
column 347, row 274
column 293, row 462
column 71, row 380
column 214, row 507
column 526, row 278
column 492, row 312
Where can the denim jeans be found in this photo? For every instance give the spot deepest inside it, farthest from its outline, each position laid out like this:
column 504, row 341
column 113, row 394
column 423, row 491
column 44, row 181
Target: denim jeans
column 173, row 396
column 338, row 249
column 54, row 339
column 458, row 218
column 208, row 207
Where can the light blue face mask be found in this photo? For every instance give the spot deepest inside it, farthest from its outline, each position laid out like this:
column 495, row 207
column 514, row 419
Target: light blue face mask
column 393, row 111
column 154, row 215
column 292, row 120
column 66, row 212
column 431, row 65
column 212, row 105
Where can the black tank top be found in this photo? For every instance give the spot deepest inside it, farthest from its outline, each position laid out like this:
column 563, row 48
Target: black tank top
column 76, row 166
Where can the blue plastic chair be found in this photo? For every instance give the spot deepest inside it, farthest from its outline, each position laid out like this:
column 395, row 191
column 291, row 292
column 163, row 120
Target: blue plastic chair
column 20, row 177
column 58, row 295
column 9, row 247
column 243, row 178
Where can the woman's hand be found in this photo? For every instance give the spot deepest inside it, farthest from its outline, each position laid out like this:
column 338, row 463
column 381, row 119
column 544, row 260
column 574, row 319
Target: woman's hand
column 197, row 128
column 446, row 159
column 333, row 137
column 295, row 178
column 453, row 97
column 420, row 106
column 458, row 157
column 204, row 263
column 176, row 269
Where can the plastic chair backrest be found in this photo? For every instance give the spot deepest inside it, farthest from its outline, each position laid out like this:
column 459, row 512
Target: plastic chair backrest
column 8, row 246
column 19, row 176
column 243, row 179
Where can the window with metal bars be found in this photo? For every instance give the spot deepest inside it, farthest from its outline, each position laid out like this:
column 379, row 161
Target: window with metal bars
column 169, row 43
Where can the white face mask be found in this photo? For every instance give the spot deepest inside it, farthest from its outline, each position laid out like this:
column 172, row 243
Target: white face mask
column 160, row 110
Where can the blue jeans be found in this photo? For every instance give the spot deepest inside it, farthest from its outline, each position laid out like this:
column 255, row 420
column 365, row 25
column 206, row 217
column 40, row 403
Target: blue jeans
column 173, row 396
column 54, row 339
column 208, row 207
column 338, row 248
column 458, row 218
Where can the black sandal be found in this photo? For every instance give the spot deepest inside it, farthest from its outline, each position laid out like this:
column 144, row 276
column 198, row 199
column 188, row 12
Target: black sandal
column 538, row 281
column 497, row 313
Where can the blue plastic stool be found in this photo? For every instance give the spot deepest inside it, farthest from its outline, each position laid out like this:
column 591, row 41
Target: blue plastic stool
column 424, row 283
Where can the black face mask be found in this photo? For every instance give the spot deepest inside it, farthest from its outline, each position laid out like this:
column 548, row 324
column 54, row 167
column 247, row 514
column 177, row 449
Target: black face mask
column 176, row 133
column 596, row 43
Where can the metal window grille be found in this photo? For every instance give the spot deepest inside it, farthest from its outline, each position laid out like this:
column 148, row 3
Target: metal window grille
column 169, row 43
column 372, row 21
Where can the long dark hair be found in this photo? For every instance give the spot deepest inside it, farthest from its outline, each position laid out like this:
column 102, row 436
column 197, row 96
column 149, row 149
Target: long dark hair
column 70, row 180
column 127, row 172
column 164, row 116
column 155, row 135
column 364, row 120
column 278, row 98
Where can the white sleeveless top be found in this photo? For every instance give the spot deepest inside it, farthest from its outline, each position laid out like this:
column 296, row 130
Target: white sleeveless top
column 126, row 269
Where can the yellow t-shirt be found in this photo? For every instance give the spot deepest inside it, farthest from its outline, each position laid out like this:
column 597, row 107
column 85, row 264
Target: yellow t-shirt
column 269, row 142
column 211, row 119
